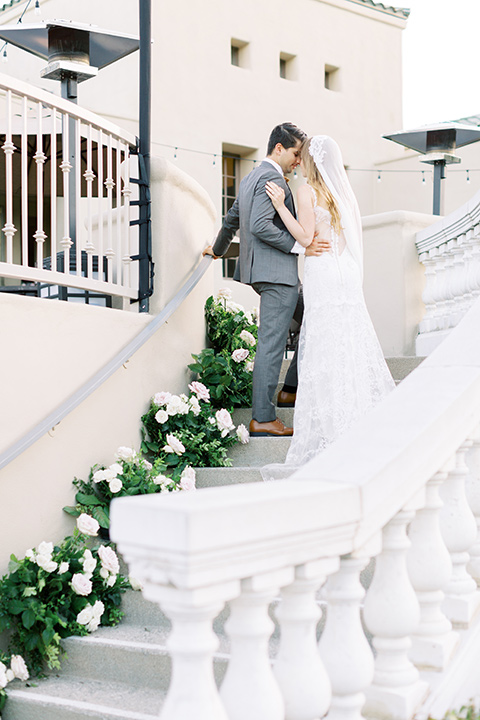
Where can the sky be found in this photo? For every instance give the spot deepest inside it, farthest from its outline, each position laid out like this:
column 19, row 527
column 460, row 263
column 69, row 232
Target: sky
column 441, row 60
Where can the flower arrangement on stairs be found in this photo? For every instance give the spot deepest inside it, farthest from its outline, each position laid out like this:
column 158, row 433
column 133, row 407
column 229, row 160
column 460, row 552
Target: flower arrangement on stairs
column 73, row 587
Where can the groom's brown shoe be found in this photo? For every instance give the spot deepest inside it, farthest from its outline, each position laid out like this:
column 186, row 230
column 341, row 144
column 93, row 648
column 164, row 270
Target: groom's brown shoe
column 286, row 399
column 274, row 428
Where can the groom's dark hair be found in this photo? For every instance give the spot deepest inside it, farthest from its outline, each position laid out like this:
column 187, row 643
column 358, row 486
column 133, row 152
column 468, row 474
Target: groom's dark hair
column 287, row 135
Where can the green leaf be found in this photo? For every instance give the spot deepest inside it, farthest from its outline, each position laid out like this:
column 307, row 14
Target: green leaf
column 31, row 641
column 84, row 499
column 72, row 510
column 15, row 607
column 48, row 635
column 13, row 565
column 28, row 618
column 101, row 516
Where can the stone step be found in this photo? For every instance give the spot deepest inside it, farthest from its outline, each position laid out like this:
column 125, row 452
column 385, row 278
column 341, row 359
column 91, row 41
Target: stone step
column 400, row 367
column 260, row 451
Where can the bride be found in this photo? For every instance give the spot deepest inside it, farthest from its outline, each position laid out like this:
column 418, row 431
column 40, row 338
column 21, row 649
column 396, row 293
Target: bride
column 342, row 372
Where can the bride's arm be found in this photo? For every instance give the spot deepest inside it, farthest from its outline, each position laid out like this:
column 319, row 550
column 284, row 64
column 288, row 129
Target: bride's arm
column 302, row 229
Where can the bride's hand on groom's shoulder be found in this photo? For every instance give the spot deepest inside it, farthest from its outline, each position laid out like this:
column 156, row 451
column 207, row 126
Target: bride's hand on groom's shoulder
column 317, row 246
column 275, row 193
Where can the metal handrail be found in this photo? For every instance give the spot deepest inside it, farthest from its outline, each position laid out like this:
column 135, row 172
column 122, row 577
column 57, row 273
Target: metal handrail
column 107, row 370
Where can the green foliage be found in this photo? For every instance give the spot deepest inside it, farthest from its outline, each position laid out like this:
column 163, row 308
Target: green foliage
column 232, row 332
column 39, row 605
column 466, row 712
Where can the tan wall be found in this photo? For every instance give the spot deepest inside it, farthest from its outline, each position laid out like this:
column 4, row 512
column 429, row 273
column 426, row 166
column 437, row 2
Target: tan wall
column 394, row 278
column 50, row 348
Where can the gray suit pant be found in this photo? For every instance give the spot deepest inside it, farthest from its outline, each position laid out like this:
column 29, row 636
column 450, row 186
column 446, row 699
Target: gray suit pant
column 277, row 306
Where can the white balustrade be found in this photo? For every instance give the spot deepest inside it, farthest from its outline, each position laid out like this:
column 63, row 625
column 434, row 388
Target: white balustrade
column 450, row 252
column 472, row 489
column 68, row 224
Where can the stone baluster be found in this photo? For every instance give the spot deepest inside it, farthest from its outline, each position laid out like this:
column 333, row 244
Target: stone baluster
column 430, row 567
column 452, row 269
column 462, row 256
column 472, row 487
column 392, row 615
column 343, row 646
column 428, row 295
column 250, row 689
column 191, row 643
column 475, row 264
column 298, row 667
column 440, row 297
column 459, row 531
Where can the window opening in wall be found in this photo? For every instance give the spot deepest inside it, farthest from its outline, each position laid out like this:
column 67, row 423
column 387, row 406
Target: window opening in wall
column 287, row 66
column 239, row 55
column 332, row 78
column 230, row 181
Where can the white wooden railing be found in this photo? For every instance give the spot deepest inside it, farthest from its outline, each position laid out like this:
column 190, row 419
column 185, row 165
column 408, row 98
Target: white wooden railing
column 396, row 487
column 51, row 235
column 450, row 252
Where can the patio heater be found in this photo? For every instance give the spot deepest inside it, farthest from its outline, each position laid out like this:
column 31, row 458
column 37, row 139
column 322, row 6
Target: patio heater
column 438, row 144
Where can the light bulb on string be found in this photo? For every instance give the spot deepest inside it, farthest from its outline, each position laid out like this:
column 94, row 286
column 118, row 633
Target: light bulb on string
column 37, row 8
column 468, row 176
column 379, row 178
column 5, row 56
column 295, row 174
column 175, row 154
column 423, row 178
column 214, row 160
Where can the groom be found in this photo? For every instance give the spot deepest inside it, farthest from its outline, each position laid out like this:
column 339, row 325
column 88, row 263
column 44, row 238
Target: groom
column 268, row 262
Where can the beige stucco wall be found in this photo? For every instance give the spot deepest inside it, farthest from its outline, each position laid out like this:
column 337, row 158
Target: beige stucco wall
column 394, row 278
column 49, row 349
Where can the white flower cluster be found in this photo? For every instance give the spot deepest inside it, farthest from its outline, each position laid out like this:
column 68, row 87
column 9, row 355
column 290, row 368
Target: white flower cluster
column 42, row 556
column 224, row 422
column 81, row 583
column 91, row 615
column 87, row 525
column 171, row 405
column 18, row 669
column 187, row 481
column 110, row 475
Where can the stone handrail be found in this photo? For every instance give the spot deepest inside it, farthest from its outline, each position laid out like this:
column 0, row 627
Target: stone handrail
column 403, row 466
column 450, row 252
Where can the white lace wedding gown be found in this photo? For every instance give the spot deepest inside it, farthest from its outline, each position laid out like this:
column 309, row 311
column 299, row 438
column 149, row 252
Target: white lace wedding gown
column 342, row 371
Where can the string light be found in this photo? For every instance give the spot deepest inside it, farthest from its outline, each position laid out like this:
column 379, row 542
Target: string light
column 5, row 56
column 379, row 178
column 468, row 176
column 37, row 8
column 4, row 46
column 214, row 160
column 175, row 154
column 423, row 177
column 295, row 174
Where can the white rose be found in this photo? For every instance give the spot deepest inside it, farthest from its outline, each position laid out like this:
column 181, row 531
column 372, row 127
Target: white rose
column 111, row 581
column 30, row 554
column 249, row 318
column 243, row 434
column 187, row 479
column 161, row 398
column 3, row 678
column 63, row 568
column 234, row 308
column 195, row 405
column 109, row 474
column 174, row 445
column 98, row 609
column 224, row 293
column 125, row 453
column 46, row 563
column 104, row 573
column 247, row 337
column 45, row 548
column 161, row 417
column 240, row 355
column 224, row 420
column 135, row 584
column 93, row 624
column 249, row 366
column 98, row 476
column 88, row 562
column 10, row 675
column 87, row 525
column 116, row 468
column 81, row 584
column 108, row 558
column 212, row 421
column 161, row 480
column 200, row 390
column 115, row 485
column 147, row 465
column 85, row 615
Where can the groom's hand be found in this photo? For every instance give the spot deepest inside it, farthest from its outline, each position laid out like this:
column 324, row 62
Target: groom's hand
column 209, row 251
column 317, row 246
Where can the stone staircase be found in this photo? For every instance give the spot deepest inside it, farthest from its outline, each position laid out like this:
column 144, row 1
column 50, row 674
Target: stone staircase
column 123, row 673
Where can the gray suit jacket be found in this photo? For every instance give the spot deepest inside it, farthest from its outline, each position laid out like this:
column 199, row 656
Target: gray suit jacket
column 265, row 243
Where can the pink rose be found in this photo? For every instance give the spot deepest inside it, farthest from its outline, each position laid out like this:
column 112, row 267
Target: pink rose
column 202, row 392
column 108, row 558
column 87, row 525
column 240, row 355
column 187, row 479
column 81, row 584
column 161, row 398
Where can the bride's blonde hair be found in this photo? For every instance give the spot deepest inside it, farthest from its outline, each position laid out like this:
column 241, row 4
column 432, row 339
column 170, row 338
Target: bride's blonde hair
column 316, row 181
